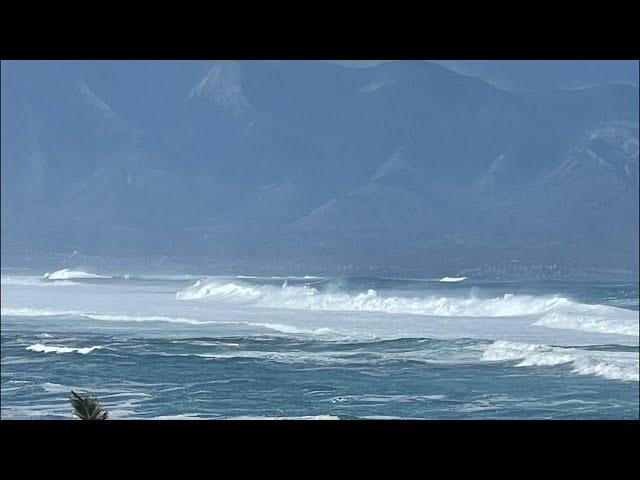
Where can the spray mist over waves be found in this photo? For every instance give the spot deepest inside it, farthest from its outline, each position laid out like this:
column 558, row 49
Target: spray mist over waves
column 550, row 311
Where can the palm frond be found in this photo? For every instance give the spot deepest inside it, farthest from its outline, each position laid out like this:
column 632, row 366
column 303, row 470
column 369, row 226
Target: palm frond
column 87, row 408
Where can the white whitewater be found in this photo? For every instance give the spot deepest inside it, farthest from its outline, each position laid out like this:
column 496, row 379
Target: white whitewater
column 68, row 274
column 452, row 279
column 538, row 329
column 31, row 281
column 35, row 312
column 611, row 365
column 39, row 347
column 551, row 312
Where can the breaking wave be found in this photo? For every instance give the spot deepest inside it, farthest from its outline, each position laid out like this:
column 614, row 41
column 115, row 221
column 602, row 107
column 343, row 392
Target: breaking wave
column 452, row 279
column 611, row 365
column 551, row 311
column 67, row 274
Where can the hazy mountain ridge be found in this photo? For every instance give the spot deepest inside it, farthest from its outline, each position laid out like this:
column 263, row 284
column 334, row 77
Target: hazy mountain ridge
column 528, row 75
column 228, row 157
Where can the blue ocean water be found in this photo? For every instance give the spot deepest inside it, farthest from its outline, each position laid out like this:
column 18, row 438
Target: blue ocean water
column 162, row 347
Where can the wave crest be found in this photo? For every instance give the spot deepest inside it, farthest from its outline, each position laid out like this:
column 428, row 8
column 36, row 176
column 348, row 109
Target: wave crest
column 611, row 365
column 551, row 311
column 39, row 347
column 68, row 274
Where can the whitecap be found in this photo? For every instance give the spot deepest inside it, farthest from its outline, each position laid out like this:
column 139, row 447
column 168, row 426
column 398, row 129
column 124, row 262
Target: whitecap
column 452, row 279
column 39, row 347
column 552, row 311
column 611, row 365
column 68, row 274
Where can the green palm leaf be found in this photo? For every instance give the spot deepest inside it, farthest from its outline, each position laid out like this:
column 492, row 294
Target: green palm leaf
column 87, row 408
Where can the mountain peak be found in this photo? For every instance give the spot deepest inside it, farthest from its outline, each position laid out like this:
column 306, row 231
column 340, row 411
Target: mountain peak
column 222, row 85
column 397, row 165
column 611, row 148
column 91, row 99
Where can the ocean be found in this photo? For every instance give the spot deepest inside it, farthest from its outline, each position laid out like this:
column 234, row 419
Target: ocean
column 313, row 347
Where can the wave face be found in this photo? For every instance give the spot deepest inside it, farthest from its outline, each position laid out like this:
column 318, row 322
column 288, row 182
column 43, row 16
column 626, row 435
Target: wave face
column 67, row 274
column 551, row 311
column 611, row 365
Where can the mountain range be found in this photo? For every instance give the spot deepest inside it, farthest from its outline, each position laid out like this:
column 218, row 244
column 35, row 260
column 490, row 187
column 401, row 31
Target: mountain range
column 399, row 163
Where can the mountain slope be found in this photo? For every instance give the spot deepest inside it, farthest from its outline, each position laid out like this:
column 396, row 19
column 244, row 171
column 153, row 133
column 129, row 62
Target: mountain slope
column 393, row 162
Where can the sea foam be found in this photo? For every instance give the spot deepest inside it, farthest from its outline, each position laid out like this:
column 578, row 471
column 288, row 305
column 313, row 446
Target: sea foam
column 39, row 347
column 36, row 312
column 593, row 318
column 67, row 274
column 30, row 281
column 547, row 311
column 611, row 365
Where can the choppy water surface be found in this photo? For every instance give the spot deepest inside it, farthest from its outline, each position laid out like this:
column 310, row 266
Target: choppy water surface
column 179, row 346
